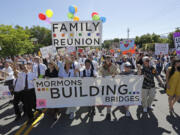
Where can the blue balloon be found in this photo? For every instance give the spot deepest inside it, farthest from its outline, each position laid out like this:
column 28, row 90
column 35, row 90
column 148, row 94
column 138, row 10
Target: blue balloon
column 103, row 19
column 71, row 9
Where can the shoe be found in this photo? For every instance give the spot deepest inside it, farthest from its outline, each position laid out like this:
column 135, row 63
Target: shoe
column 145, row 110
column 71, row 116
column 56, row 117
column 128, row 114
column 30, row 121
column 108, row 117
column 93, row 113
column 17, row 118
column 150, row 108
column 24, row 115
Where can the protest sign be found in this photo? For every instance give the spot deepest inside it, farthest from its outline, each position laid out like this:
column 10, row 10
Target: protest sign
column 3, row 75
column 73, row 92
column 4, row 92
column 81, row 33
column 128, row 46
column 49, row 50
column 62, row 51
column 177, row 42
column 71, row 49
column 161, row 49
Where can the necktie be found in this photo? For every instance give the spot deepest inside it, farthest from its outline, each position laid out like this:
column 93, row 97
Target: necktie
column 38, row 70
column 26, row 82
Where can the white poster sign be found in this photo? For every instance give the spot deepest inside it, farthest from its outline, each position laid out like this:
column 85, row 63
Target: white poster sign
column 74, row 92
column 49, row 50
column 73, row 33
column 71, row 49
column 161, row 49
column 4, row 92
column 177, row 42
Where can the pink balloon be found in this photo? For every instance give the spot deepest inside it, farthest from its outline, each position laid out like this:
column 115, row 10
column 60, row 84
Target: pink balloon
column 48, row 20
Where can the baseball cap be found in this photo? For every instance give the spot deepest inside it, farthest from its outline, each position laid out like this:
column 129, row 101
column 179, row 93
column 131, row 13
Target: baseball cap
column 127, row 64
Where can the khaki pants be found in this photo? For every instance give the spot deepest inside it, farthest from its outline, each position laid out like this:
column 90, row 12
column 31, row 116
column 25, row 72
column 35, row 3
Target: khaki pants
column 148, row 96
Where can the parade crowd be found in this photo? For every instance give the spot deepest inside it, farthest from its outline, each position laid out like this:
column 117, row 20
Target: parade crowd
column 21, row 71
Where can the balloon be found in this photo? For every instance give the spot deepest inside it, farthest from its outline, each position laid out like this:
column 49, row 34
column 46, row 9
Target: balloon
column 42, row 16
column 94, row 13
column 76, row 18
column 48, row 20
column 70, row 16
column 96, row 17
column 71, row 9
column 49, row 13
column 103, row 19
column 75, row 9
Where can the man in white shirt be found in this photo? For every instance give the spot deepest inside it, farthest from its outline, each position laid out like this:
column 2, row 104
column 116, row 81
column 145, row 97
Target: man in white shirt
column 39, row 68
column 29, row 91
column 10, row 76
column 18, row 93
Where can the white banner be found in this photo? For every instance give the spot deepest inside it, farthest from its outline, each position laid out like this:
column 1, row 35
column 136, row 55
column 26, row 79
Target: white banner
column 161, row 49
column 45, row 51
column 74, row 92
column 73, row 33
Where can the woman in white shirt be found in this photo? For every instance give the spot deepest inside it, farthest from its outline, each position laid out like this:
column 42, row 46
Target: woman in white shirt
column 65, row 72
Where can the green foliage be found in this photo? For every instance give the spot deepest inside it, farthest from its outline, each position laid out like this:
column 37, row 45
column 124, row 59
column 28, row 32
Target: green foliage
column 107, row 44
column 17, row 40
column 42, row 34
column 14, row 41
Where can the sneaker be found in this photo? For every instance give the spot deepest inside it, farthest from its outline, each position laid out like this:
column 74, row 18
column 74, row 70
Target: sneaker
column 71, row 116
column 128, row 114
column 145, row 110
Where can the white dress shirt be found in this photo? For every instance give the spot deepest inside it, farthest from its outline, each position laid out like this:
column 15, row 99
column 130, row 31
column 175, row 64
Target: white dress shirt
column 31, row 77
column 63, row 73
column 10, row 72
column 42, row 69
column 19, row 83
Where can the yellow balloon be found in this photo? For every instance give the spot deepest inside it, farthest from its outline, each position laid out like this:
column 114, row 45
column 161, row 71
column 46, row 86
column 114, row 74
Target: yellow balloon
column 76, row 18
column 75, row 9
column 49, row 13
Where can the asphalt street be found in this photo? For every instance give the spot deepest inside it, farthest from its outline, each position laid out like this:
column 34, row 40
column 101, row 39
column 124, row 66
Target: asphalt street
column 156, row 122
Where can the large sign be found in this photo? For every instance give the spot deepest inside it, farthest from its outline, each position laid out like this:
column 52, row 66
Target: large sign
column 48, row 50
column 177, row 42
column 161, row 49
column 128, row 46
column 74, row 92
column 81, row 33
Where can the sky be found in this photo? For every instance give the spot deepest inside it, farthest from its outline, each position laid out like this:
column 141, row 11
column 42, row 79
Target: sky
column 140, row 16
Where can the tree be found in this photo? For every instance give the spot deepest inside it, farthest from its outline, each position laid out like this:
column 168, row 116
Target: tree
column 42, row 34
column 14, row 41
column 171, row 39
column 116, row 40
column 107, row 44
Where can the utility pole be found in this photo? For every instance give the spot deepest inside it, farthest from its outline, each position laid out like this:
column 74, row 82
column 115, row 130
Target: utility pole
column 128, row 33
